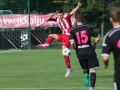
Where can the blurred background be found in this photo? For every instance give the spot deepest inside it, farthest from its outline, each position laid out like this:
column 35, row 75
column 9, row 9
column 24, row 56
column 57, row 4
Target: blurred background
column 20, row 20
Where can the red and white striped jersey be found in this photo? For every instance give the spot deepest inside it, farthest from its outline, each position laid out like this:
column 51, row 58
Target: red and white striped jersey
column 64, row 24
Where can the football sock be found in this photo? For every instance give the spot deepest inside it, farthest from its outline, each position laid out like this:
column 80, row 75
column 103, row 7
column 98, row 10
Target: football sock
column 86, row 71
column 118, row 85
column 67, row 61
column 115, row 86
column 49, row 39
column 92, row 79
column 91, row 88
column 118, row 79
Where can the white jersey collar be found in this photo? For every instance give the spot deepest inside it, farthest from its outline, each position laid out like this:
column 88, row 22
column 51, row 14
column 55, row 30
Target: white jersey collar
column 117, row 26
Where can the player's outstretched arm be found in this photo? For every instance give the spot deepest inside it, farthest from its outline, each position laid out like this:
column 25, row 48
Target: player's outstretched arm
column 49, row 17
column 76, row 8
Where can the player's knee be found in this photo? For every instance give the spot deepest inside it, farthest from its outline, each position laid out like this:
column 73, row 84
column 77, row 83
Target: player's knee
column 66, row 52
column 92, row 70
column 51, row 35
column 65, row 46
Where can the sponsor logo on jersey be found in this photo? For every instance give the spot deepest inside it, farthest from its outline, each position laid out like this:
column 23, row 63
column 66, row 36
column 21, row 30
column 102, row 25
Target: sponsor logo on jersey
column 83, row 46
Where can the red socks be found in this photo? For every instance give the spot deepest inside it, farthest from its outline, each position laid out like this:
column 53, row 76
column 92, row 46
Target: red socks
column 49, row 39
column 66, row 58
column 67, row 61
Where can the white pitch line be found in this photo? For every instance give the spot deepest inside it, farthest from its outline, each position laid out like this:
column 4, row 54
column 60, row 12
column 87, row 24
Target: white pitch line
column 10, row 51
column 72, row 88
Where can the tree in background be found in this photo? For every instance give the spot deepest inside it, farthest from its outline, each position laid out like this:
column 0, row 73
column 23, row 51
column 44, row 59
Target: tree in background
column 95, row 11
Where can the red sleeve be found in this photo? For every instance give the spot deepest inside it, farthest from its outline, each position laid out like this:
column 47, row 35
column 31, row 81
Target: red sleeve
column 68, row 15
column 52, row 19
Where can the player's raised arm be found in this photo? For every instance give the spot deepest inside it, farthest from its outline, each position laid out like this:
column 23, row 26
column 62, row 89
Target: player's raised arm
column 76, row 8
column 49, row 17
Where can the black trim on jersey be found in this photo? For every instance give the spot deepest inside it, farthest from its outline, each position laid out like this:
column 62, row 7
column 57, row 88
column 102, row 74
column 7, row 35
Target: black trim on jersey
column 83, row 25
column 88, row 25
column 112, row 31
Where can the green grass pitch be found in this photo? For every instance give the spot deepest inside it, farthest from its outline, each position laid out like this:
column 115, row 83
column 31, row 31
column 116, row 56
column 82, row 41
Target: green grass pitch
column 44, row 69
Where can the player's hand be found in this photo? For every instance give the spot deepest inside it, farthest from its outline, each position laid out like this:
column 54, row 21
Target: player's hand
column 79, row 4
column 105, row 66
column 94, row 46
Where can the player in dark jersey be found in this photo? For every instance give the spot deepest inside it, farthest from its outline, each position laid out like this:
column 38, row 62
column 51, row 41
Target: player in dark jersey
column 111, row 42
column 80, row 39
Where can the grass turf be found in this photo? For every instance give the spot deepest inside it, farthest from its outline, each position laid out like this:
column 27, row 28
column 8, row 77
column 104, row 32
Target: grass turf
column 44, row 69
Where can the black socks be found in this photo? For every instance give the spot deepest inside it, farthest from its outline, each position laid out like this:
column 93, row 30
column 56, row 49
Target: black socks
column 92, row 79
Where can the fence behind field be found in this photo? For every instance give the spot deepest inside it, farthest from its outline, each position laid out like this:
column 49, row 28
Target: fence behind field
column 20, row 20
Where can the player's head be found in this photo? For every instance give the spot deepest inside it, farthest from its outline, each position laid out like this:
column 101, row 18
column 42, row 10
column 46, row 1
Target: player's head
column 79, row 16
column 115, row 15
column 60, row 14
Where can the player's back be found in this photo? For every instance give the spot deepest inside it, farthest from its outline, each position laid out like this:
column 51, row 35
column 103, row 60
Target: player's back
column 83, row 34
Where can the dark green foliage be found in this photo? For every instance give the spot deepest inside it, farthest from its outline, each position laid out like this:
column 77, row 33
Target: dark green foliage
column 95, row 11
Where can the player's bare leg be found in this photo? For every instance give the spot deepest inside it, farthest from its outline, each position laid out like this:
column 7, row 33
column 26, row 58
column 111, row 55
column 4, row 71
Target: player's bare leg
column 48, row 41
column 67, row 62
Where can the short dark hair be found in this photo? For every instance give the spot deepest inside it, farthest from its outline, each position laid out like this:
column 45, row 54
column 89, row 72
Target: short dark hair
column 115, row 14
column 59, row 11
column 79, row 16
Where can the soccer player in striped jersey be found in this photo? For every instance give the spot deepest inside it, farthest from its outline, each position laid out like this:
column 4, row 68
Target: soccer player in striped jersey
column 65, row 25
column 111, row 43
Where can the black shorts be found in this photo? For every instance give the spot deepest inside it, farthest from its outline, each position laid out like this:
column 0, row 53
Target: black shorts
column 89, row 63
